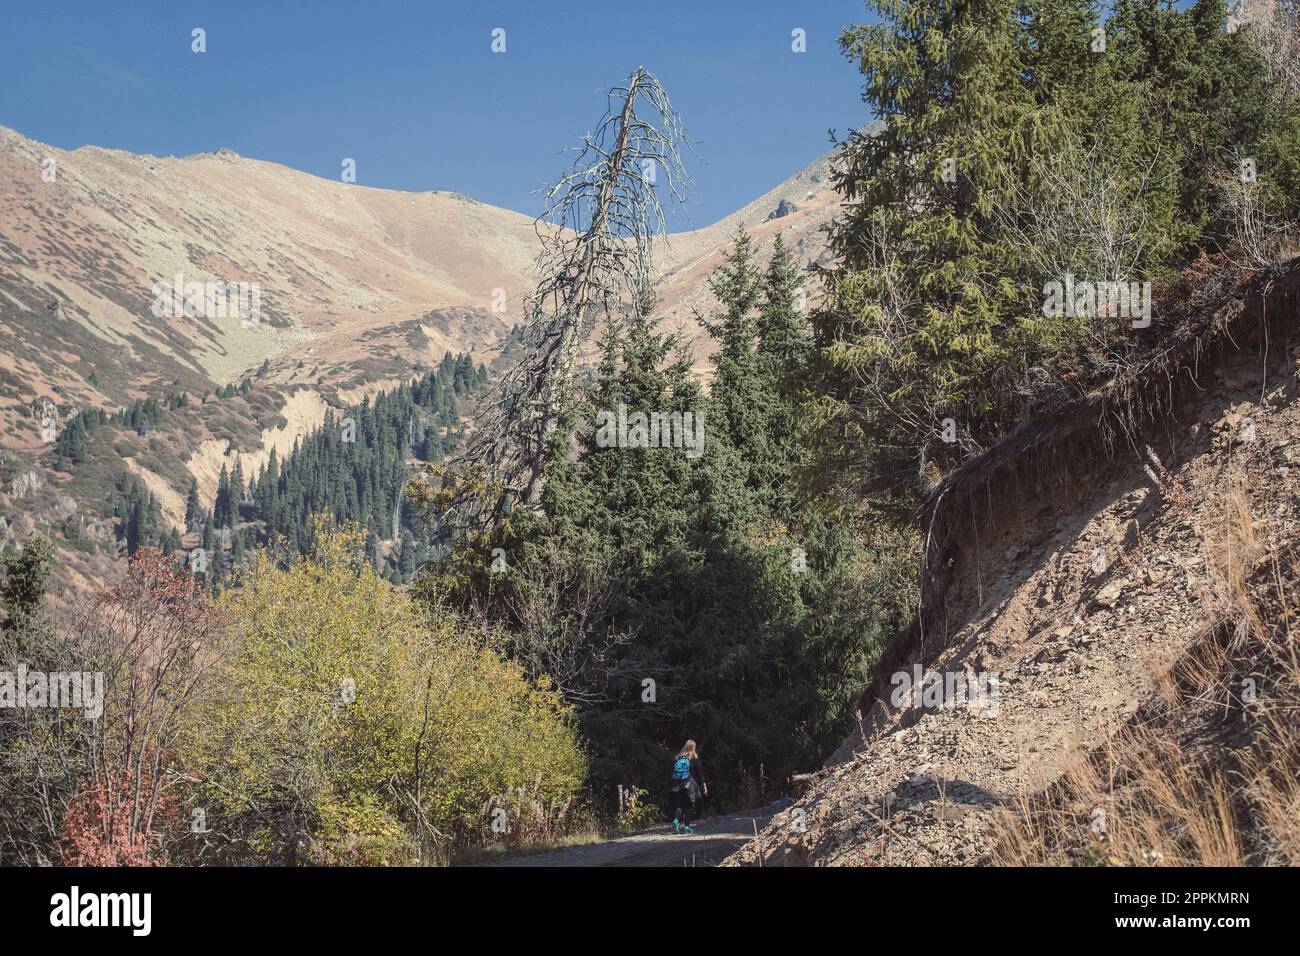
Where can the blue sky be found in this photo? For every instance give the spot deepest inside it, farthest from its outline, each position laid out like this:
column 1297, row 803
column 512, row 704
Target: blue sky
column 413, row 92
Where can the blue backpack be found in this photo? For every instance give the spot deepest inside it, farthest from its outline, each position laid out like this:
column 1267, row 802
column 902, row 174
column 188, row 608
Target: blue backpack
column 682, row 768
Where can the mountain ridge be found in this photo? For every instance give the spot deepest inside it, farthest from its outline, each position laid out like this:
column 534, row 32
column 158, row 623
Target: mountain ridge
column 360, row 289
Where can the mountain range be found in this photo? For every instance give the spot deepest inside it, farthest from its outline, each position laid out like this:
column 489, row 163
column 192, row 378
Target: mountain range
column 358, row 289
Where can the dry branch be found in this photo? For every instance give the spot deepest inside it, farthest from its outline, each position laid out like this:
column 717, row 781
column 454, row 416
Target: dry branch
column 597, row 237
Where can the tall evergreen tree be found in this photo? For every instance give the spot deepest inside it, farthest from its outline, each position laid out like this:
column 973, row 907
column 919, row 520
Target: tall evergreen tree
column 406, row 559
column 238, row 491
column 24, row 578
column 737, row 401
column 1016, row 144
column 193, row 508
column 221, row 509
column 690, row 558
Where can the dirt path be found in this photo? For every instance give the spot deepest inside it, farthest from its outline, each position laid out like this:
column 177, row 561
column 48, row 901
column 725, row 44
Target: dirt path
column 714, row 838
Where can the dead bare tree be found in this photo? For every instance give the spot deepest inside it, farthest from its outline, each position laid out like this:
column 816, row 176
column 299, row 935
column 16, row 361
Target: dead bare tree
column 1262, row 236
column 1076, row 212
column 598, row 234
column 1274, row 28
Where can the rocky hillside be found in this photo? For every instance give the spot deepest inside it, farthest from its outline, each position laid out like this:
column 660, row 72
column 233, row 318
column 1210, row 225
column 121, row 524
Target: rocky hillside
column 1085, row 565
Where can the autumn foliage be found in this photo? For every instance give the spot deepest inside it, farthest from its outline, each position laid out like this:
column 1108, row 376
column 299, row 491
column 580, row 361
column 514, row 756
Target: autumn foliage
column 100, row 827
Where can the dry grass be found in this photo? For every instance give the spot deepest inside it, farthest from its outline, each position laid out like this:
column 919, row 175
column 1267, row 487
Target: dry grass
column 485, row 854
column 1207, row 773
column 525, row 817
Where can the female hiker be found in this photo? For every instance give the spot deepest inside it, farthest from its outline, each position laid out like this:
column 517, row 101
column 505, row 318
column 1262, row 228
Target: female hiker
column 688, row 787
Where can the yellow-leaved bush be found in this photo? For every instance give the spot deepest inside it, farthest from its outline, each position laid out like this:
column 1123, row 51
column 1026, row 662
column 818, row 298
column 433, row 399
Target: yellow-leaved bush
column 347, row 725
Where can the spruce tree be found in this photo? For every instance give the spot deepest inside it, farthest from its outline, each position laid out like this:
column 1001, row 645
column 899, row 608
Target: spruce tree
column 737, row 401
column 218, row 569
column 26, row 576
column 221, row 511
column 406, row 559
column 193, row 508
column 237, row 491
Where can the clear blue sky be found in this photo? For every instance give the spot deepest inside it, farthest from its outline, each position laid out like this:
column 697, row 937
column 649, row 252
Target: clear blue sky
column 413, row 92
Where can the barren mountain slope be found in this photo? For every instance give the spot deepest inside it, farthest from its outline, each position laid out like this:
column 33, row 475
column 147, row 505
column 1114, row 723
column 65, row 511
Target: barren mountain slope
column 1075, row 566
column 360, row 283
column 335, row 262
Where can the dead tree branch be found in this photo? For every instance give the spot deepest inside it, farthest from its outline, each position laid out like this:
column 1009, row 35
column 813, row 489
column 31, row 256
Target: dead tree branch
column 597, row 234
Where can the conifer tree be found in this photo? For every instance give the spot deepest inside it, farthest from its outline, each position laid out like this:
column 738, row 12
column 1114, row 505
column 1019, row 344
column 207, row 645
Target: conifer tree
column 221, row 511
column 406, row 559
column 737, row 402
column 193, row 508
column 24, row 578
column 1016, row 145
column 72, row 445
column 237, row 491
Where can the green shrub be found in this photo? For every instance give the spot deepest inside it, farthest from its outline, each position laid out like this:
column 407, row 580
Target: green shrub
column 340, row 716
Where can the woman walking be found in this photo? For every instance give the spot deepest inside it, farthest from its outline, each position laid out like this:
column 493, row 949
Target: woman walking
column 688, row 787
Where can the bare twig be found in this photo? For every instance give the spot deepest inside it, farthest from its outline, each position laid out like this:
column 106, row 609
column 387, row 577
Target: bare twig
column 597, row 236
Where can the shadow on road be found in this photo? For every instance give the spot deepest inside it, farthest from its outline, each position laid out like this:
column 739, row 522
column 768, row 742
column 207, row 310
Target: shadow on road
column 713, row 840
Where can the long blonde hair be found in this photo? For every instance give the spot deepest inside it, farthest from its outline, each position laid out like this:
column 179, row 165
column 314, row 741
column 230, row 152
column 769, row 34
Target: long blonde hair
column 688, row 749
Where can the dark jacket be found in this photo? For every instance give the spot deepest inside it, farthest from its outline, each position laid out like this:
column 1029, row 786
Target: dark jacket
column 694, row 785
